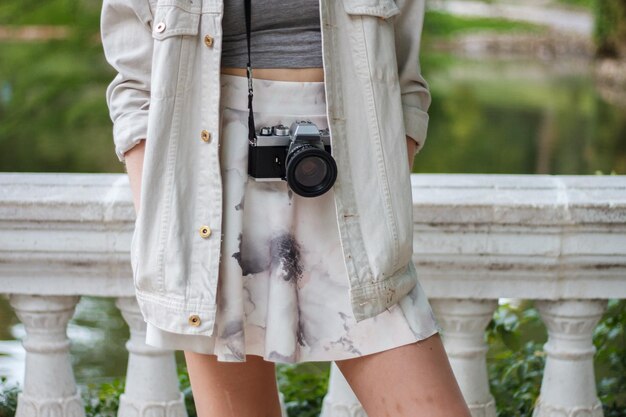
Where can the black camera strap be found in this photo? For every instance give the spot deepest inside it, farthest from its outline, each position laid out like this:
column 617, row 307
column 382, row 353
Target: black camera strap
column 251, row 127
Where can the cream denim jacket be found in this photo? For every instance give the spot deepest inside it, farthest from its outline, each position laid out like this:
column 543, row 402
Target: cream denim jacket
column 167, row 90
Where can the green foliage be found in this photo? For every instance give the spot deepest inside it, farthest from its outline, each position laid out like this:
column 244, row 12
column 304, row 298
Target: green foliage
column 103, row 400
column 303, row 386
column 53, row 114
column 50, row 12
column 610, row 28
column 494, row 119
column 515, row 366
column 185, row 387
column 515, row 380
column 587, row 4
column 609, row 338
column 442, row 24
column 8, row 398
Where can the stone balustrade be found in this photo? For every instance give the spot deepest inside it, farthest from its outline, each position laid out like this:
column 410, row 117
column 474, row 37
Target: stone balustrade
column 558, row 240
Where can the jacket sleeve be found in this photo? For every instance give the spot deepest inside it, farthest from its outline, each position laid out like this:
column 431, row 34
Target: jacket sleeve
column 416, row 96
column 126, row 31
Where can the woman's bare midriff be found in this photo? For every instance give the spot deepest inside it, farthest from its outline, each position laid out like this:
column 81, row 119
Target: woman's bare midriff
column 279, row 74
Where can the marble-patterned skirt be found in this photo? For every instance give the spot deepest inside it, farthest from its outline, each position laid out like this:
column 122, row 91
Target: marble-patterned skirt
column 283, row 290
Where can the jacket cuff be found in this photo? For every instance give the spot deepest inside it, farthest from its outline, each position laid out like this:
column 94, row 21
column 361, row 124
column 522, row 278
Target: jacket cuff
column 415, row 125
column 128, row 131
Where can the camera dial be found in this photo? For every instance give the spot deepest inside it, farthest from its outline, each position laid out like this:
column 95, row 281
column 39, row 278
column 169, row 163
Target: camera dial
column 281, row 130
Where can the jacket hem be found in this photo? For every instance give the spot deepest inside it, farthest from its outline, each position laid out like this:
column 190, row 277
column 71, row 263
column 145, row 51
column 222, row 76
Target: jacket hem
column 370, row 300
column 173, row 315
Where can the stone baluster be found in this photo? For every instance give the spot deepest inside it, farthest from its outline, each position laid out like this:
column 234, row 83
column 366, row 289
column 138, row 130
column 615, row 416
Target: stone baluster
column 568, row 388
column 340, row 400
column 152, row 387
column 283, row 406
column 464, row 322
column 49, row 386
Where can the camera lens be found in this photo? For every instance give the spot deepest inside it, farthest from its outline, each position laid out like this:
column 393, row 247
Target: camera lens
column 311, row 171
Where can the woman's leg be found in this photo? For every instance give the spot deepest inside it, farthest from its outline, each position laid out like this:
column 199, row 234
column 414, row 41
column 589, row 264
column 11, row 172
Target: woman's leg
column 233, row 389
column 413, row 380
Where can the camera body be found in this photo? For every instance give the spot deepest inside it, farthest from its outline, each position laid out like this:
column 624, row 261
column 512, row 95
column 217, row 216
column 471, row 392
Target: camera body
column 299, row 154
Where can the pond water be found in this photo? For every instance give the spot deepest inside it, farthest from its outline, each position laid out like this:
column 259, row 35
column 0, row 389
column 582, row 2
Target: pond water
column 487, row 116
column 520, row 116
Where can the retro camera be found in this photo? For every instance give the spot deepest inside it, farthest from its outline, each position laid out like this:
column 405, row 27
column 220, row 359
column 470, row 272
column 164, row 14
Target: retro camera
column 299, row 154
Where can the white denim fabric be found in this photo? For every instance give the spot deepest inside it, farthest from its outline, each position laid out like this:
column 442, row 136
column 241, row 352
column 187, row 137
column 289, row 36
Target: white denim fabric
column 283, row 289
column 167, row 91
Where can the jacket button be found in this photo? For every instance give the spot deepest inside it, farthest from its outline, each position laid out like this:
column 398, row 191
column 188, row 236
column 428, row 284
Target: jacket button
column 160, row 27
column 208, row 40
column 194, row 320
column 205, row 231
column 206, row 136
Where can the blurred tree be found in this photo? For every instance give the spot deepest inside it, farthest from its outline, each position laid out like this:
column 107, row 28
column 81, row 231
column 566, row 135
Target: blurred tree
column 610, row 28
column 53, row 114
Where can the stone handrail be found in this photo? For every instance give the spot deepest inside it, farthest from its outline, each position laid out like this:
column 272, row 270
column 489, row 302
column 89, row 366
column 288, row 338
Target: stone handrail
column 558, row 240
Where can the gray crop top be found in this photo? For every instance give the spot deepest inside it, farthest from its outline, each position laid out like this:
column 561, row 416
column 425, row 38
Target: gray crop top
column 284, row 34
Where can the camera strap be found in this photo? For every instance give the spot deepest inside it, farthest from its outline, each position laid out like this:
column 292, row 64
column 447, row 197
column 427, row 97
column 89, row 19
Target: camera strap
column 251, row 127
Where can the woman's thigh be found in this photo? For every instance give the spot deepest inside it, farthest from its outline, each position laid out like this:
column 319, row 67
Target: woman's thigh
column 410, row 380
column 233, row 389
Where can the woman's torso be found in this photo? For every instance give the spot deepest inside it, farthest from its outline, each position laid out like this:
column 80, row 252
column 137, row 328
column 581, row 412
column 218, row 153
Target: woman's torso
column 281, row 74
column 291, row 28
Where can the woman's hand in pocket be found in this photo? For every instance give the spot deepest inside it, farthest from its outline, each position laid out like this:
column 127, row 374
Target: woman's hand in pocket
column 134, row 165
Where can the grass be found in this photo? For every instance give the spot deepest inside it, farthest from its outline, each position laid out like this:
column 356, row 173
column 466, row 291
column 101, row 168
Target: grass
column 442, row 24
column 587, row 4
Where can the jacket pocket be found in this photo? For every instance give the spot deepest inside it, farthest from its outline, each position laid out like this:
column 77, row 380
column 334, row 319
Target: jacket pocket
column 371, row 33
column 174, row 31
column 380, row 8
column 175, row 17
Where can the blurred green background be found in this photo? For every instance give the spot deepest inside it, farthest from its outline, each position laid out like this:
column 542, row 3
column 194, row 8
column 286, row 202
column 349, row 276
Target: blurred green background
column 508, row 97
column 521, row 113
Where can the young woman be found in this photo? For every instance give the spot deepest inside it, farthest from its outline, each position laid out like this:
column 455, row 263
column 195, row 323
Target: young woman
column 324, row 277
